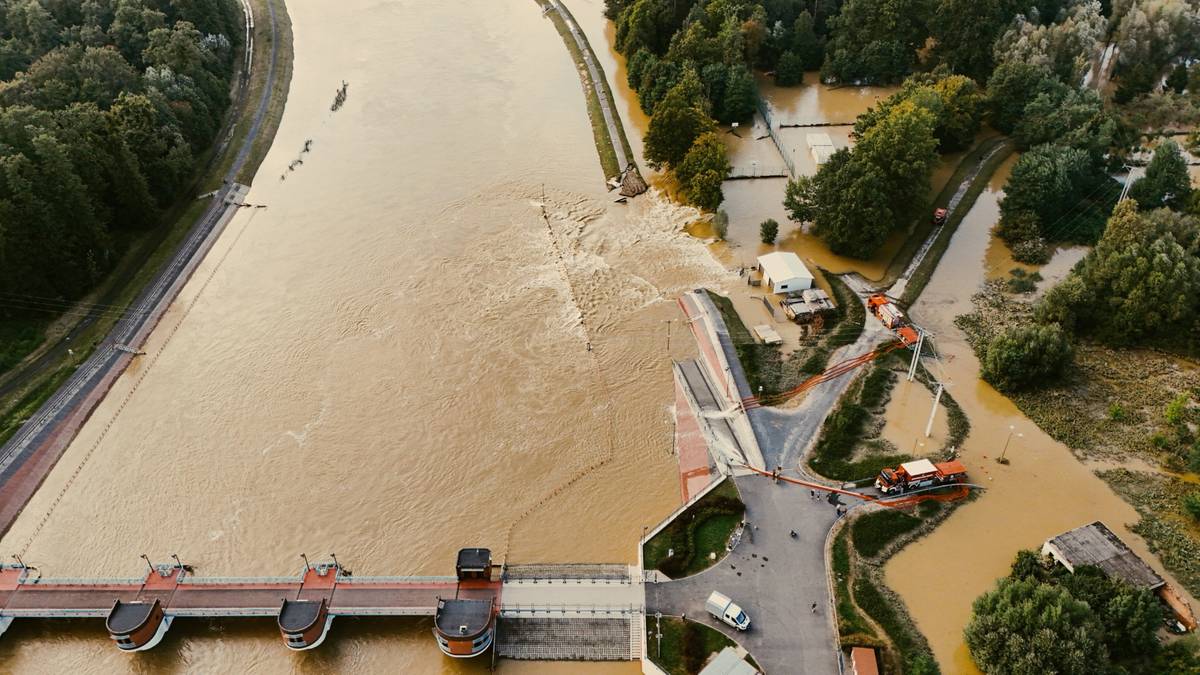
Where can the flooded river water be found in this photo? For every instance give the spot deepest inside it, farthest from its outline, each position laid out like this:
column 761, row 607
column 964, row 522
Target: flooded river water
column 389, row 362
column 940, row 575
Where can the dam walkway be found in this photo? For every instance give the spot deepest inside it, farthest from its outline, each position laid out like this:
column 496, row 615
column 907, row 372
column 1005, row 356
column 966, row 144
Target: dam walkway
column 590, row 612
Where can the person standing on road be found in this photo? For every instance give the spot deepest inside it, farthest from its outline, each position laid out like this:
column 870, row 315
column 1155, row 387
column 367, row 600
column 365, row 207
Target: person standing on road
column 814, row 608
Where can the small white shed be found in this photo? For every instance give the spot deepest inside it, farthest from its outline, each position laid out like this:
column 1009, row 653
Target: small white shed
column 821, row 147
column 784, row 273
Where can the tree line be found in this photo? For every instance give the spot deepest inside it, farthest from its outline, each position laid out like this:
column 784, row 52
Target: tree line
column 691, row 63
column 104, row 107
column 858, row 197
column 1042, row 618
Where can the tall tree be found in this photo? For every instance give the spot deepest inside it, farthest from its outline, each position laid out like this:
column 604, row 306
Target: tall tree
column 1166, row 182
column 876, row 40
column 1027, row 628
column 964, row 31
column 677, row 122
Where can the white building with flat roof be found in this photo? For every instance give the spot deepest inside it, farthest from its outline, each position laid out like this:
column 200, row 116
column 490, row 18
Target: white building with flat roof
column 784, row 273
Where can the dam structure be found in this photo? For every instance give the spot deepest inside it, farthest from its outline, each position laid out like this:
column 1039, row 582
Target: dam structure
column 584, row 612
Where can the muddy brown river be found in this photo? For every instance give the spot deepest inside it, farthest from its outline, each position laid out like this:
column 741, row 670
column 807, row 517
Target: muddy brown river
column 388, row 362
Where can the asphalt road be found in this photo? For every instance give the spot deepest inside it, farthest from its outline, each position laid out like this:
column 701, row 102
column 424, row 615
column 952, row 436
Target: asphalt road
column 774, row 578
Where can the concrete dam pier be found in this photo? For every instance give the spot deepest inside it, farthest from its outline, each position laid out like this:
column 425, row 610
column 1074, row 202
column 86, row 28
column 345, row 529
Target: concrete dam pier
column 579, row 612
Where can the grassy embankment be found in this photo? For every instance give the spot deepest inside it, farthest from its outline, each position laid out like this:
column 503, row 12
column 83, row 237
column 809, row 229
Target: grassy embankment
column 703, row 529
column 922, row 227
column 868, row 612
column 685, row 645
column 604, row 143
column 1112, row 406
column 148, row 252
column 850, row 448
column 767, row 367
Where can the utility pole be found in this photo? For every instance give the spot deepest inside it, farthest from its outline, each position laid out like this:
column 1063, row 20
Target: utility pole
column 916, row 357
column 933, row 413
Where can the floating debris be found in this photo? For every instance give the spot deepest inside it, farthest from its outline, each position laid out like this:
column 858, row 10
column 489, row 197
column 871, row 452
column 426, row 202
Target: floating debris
column 340, row 98
column 632, row 183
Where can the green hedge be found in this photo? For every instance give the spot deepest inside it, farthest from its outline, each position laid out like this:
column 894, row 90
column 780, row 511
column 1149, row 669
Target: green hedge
column 850, row 622
column 871, row 533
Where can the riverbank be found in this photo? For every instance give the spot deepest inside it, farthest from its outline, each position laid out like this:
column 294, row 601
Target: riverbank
column 850, row 448
column 611, row 143
column 249, row 130
column 958, row 197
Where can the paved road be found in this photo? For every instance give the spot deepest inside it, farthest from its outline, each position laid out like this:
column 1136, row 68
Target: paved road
column 773, row 577
column 787, row 434
column 31, row 453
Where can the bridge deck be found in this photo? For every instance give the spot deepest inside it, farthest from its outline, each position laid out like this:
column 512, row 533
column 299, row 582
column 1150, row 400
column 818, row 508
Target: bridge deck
column 182, row 595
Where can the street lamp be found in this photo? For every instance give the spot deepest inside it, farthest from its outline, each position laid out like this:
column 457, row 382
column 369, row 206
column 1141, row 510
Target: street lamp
column 1001, row 458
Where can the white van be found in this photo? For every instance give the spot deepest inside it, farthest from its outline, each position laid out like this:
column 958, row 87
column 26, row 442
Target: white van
column 723, row 608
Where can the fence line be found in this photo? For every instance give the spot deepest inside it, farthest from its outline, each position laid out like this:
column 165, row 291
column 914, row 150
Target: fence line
column 764, row 109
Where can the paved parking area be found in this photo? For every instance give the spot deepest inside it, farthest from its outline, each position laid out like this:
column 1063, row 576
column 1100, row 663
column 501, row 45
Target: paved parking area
column 775, row 579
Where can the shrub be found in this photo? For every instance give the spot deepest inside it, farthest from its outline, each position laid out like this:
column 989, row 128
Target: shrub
column 1025, row 356
column 1031, row 251
column 1176, row 410
column 1116, row 413
column 874, row 531
column 1191, row 504
column 721, row 224
column 768, row 230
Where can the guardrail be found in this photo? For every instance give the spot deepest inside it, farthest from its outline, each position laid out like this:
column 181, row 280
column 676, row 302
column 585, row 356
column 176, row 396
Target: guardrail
column 80, row 581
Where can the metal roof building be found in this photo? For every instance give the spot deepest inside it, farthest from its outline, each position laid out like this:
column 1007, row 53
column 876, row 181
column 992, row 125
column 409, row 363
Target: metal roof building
column 1097, row 545
column 784, row 273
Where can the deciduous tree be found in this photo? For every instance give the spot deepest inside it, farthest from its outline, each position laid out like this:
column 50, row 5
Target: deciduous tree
column 1025, row 357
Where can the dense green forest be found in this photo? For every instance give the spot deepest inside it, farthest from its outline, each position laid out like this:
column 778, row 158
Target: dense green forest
column 105, row 106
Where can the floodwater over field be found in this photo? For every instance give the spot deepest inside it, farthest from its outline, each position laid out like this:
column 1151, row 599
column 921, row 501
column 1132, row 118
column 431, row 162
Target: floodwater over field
column 906, row 416
column 392, row 360
column 748, row 202
column 940, row 575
